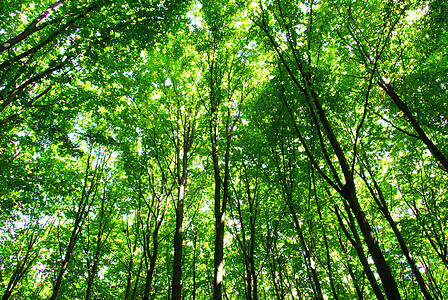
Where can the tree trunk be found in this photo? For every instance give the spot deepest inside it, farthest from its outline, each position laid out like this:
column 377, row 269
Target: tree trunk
column 177, row 261
column 384, row 271
column 129, row 277
column 327, row 250
column 356, row 243
column 218, row 258
column 382, row 205
column 87, row 192
column 305, row 84
column 23, row 264
column 310, row 264
column 182, row 173
column 194, row 264
column 435, row 151
column 152, row 259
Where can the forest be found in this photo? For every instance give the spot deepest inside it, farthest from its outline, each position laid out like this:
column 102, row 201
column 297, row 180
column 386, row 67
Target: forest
column 240, row 149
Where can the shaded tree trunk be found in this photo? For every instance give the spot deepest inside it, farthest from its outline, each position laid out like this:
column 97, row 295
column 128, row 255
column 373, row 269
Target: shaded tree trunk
column 435, row 151
column 221, row 184
column 88, row 195
column 356, row 243
column 350, row 270
column 382, row 205
column 182, row 172
column 324, row 234
column 304, row 82
column 102, row 236
column 23, row 263
column 194, row 264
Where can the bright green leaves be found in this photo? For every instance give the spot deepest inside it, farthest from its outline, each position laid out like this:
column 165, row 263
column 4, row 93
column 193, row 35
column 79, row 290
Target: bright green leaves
column 131, row 91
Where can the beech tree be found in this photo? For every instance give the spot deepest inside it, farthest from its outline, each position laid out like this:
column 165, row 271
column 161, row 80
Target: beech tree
column 239, row 150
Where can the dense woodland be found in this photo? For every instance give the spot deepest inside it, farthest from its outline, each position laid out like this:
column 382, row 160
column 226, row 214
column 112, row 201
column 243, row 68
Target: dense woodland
column 173, row 149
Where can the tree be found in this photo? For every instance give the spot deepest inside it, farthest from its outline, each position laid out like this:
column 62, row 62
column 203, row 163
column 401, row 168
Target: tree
column 302, row 145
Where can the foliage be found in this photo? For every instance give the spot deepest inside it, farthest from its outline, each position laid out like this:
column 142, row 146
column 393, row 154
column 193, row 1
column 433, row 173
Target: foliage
column 298, row 147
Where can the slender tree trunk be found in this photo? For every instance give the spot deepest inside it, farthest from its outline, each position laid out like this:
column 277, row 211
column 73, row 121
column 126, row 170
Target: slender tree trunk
column 253, row 272
column 177, row 261
column 182, row 172
column 67, row 257
column 220, row 214
column 91, row 277
column 87, row 193
column 248, row 248
column 382, row 205
column 134, row 292
column 435, row 151
column 384, row 271
column 356, row 243
column 132, row 249
column 355, row 283
column 221, row 184
column 218, row 257
column 104, row 218
column 152, row 259
column 310, row 264
column 327, row 250
column 305, row 84
column 22, row 266
column 194, row 264
column 129, row 277
column 277, row 275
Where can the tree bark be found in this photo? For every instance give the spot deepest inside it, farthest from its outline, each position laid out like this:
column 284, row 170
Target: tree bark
column 87, row 193
column 23, row 264
column 356, row 243
column 182, row 173
column 177, row 260
column 152, row 262
column 327, row 250
column 435, row 151
column 30, row 29
column 384, row 271
column 324, row 128
column 194, row 264
column 382, row 205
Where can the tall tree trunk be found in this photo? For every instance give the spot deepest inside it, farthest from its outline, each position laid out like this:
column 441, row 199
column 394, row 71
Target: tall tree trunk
column 177, row 261
column 218, row 257
column 384, row 271
column 91, row 277
column 194, row 264
column 356, row 243
column 304, row 82
column 140, row 268
column 350, row 270
column 152, row 258
column 248, row 247
column 435, row 151
column 310, row 264
column 382, row 205
column 23, row 263
column 327, row 250
column 88, row 195
column 220, row 206
column 216, row 98
column 181, row 174
column 129, row 277
column 100, row 239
